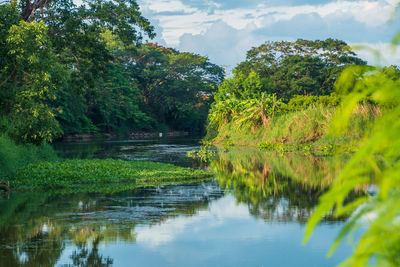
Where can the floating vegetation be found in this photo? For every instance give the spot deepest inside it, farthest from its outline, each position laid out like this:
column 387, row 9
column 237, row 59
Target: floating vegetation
column 102, row 173
column 204, row 154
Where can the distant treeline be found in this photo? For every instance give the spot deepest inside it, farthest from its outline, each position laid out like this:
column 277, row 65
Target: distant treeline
column 83, row 69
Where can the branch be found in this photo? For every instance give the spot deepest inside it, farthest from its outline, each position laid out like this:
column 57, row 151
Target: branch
column 29, row 9
column 9, row 77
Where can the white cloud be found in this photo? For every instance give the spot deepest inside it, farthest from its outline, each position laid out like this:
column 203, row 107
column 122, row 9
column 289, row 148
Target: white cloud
column 223, row 44
column 196, row 21
column 382, row 54
column 167, row 6
column 225, row 34
column 219, row 212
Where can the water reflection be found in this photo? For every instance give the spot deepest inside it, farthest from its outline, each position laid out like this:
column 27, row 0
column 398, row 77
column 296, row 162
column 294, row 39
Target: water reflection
column 35, row 227
column 278, row 187
column 252, row 214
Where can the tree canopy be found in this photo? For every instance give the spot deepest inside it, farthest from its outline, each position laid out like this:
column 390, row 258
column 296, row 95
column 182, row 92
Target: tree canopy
column 299, row 67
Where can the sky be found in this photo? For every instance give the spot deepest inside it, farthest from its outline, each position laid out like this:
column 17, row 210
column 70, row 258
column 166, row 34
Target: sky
column 224, row 30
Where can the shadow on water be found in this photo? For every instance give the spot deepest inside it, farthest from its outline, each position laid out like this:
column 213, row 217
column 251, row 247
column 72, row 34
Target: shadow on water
column 43, row 229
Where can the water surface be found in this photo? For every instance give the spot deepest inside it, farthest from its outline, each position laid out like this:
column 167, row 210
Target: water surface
column 252, row 214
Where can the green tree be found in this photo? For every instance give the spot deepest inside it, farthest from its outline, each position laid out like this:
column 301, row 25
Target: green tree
column 29, row 74
column 242, row 86
column 299, row 67
column 55, row 63
column 116, row 106
column 176, row 86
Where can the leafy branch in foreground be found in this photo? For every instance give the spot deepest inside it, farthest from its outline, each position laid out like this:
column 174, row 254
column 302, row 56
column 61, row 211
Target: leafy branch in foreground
column 377, row 162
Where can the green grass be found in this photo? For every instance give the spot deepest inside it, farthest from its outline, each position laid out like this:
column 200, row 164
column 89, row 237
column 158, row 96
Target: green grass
column 96, row 173
column 305, row 127
column 14, row 156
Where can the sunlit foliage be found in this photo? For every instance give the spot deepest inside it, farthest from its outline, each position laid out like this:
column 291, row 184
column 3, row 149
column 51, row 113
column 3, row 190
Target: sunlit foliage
column 375, row 164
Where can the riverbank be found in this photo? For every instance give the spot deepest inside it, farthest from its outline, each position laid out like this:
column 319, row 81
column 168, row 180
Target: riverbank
column 38, row 168
column 14, row 156
column 304, row 130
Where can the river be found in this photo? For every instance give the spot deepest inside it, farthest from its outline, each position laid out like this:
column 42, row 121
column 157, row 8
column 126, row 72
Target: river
column 253, row 213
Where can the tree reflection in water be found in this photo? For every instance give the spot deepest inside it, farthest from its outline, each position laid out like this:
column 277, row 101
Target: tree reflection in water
column 35, row 228
column 82, row 257
column 276, row 187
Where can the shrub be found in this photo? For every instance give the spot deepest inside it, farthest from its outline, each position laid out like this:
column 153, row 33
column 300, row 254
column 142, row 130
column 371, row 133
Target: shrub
column 301, row 102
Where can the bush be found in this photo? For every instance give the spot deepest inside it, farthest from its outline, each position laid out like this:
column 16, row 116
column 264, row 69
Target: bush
column 301, row 102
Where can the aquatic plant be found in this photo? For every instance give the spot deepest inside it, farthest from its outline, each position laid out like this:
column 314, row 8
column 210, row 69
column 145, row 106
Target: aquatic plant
column 70, row 173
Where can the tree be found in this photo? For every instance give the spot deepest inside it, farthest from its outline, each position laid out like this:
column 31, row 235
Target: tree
column 54, row 60
column 29, row 70
column 176, row 86
column 242, row 86
column 300, row 67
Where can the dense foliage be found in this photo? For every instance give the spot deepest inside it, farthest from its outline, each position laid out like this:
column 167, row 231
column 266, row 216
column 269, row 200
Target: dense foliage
column 300, row 67
column 81, row 69
column 302, row 102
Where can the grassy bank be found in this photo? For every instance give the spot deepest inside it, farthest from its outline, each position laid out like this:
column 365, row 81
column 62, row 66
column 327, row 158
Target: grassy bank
column 107, row 173
column 14, row 156
column 306, row 129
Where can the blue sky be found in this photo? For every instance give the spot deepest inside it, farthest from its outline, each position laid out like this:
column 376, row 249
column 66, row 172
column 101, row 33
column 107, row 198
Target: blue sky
column 224, row 30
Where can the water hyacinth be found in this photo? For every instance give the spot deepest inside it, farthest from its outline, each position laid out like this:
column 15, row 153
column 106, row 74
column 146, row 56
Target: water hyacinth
column 64, row 174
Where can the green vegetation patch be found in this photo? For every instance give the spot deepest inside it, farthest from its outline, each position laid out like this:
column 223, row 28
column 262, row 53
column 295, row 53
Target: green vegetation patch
column 14, row 156
column 72, row 173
